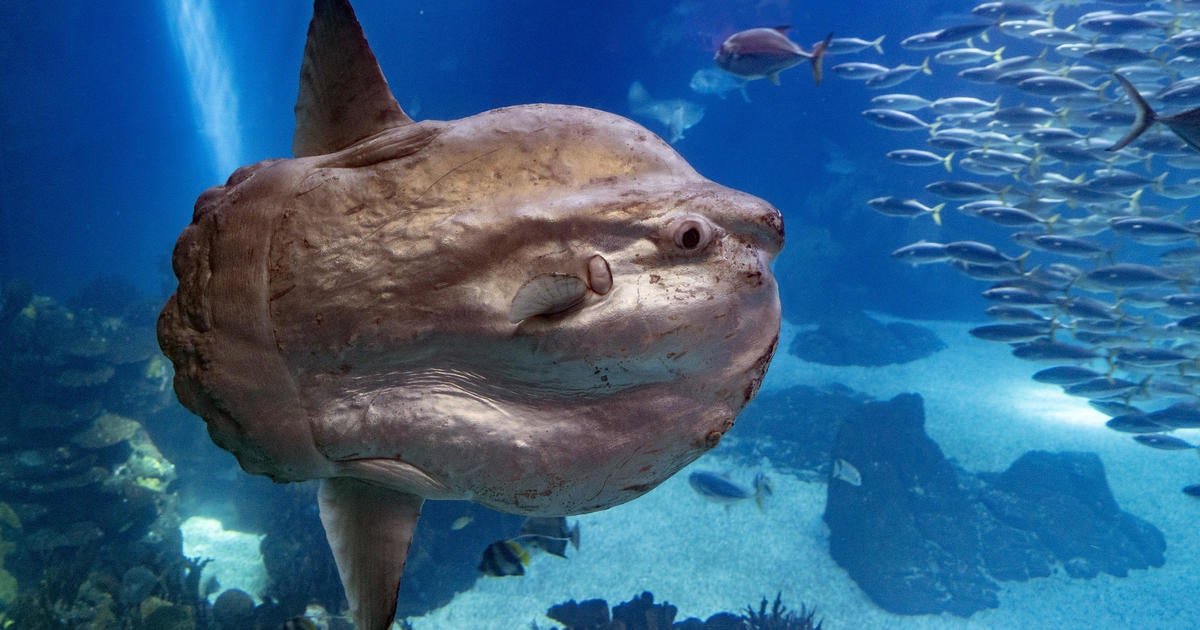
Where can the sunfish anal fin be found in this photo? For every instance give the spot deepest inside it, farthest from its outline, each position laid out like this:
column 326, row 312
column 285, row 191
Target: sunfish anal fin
column 369, row 528
column 343, row 95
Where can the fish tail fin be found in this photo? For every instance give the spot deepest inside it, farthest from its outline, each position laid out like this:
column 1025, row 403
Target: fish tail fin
column 1145, row 115
column 1159, row 182
column 818, row 54
column 519, row 551
column 999, row 54
column 762, row 489
column 1020, row 260
column 936, row 213
column 1135, row 201
column 575, row 535
column 948, row 162
column 878, row 44
column 925, row 67
column 1143, row 387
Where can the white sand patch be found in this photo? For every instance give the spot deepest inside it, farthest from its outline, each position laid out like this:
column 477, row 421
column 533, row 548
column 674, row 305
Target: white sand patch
column 235, row 558
column 984, row 412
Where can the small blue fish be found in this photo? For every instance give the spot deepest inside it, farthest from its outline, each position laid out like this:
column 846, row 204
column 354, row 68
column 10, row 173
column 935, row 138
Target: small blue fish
column 720, row 489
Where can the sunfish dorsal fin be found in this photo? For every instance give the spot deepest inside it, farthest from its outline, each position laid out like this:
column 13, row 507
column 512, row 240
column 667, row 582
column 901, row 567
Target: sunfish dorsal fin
column 369, row 529
column 343, row 95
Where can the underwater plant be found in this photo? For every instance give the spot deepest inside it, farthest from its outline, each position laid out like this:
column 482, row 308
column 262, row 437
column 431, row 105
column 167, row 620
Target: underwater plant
column 780, row 618
column 641, row 613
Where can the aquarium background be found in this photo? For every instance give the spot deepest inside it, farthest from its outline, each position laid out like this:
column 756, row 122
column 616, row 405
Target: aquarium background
column 113, row 118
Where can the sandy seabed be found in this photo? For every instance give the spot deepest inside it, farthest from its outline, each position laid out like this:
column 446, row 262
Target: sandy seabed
column 984, row 412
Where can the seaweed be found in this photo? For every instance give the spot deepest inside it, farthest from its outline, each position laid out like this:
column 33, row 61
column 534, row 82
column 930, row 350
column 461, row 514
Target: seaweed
column 780, row 618
column 641, row 613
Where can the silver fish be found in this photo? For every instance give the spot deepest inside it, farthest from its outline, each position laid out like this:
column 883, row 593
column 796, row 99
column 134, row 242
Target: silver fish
column 347, row 315
column 845, row 471
column 762, row 53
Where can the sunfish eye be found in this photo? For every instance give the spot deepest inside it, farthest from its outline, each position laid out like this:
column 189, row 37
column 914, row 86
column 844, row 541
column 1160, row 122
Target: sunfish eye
column 692, row 234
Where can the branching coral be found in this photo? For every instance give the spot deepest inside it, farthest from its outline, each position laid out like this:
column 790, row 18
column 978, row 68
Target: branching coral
column 780, row 618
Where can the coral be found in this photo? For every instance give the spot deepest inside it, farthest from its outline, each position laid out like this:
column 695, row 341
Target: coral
column 780, row 618
column 89, row 522
column 108, row 294
column 233, row 609
column 106, row 430
column 591, row 613
column 169, row 617
column 88, row 377
column 641, row 613
column 15, row 297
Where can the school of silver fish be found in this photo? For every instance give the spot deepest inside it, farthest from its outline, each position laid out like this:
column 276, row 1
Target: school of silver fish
column 1074, row 127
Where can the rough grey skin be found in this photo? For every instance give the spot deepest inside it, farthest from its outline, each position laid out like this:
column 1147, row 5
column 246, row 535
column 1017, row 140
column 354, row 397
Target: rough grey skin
column 540, row 308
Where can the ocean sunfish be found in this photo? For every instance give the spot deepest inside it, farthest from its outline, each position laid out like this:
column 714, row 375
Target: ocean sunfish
column 676, row 114
column 543, row 309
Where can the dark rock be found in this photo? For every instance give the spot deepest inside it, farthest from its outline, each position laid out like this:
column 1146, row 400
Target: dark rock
column 923, row 536
column 137, row 584
column 794, row 427
column 908, row 535
column 233, row 609
column 641, row 613
column 586, row 615
column 1065, row 500
column 853, row 338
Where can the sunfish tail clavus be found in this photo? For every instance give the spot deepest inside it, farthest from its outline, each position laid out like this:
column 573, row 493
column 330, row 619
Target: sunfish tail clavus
column 541, row 308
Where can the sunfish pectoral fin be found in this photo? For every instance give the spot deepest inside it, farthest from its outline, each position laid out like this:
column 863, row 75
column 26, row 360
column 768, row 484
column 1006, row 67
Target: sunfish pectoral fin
column 546, row 294
column 369, row 528
column 343, row 95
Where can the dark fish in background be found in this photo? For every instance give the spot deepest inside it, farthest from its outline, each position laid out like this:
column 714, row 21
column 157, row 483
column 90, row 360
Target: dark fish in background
column 1186, row 124
column 720, row 489
column 760, row 53
column 1134, row 423
column 1164, row 442
column 504, row 558
column 1066, row 375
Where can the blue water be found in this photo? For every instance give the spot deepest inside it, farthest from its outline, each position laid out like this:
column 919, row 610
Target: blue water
column 103, row 154
column 114, row 117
